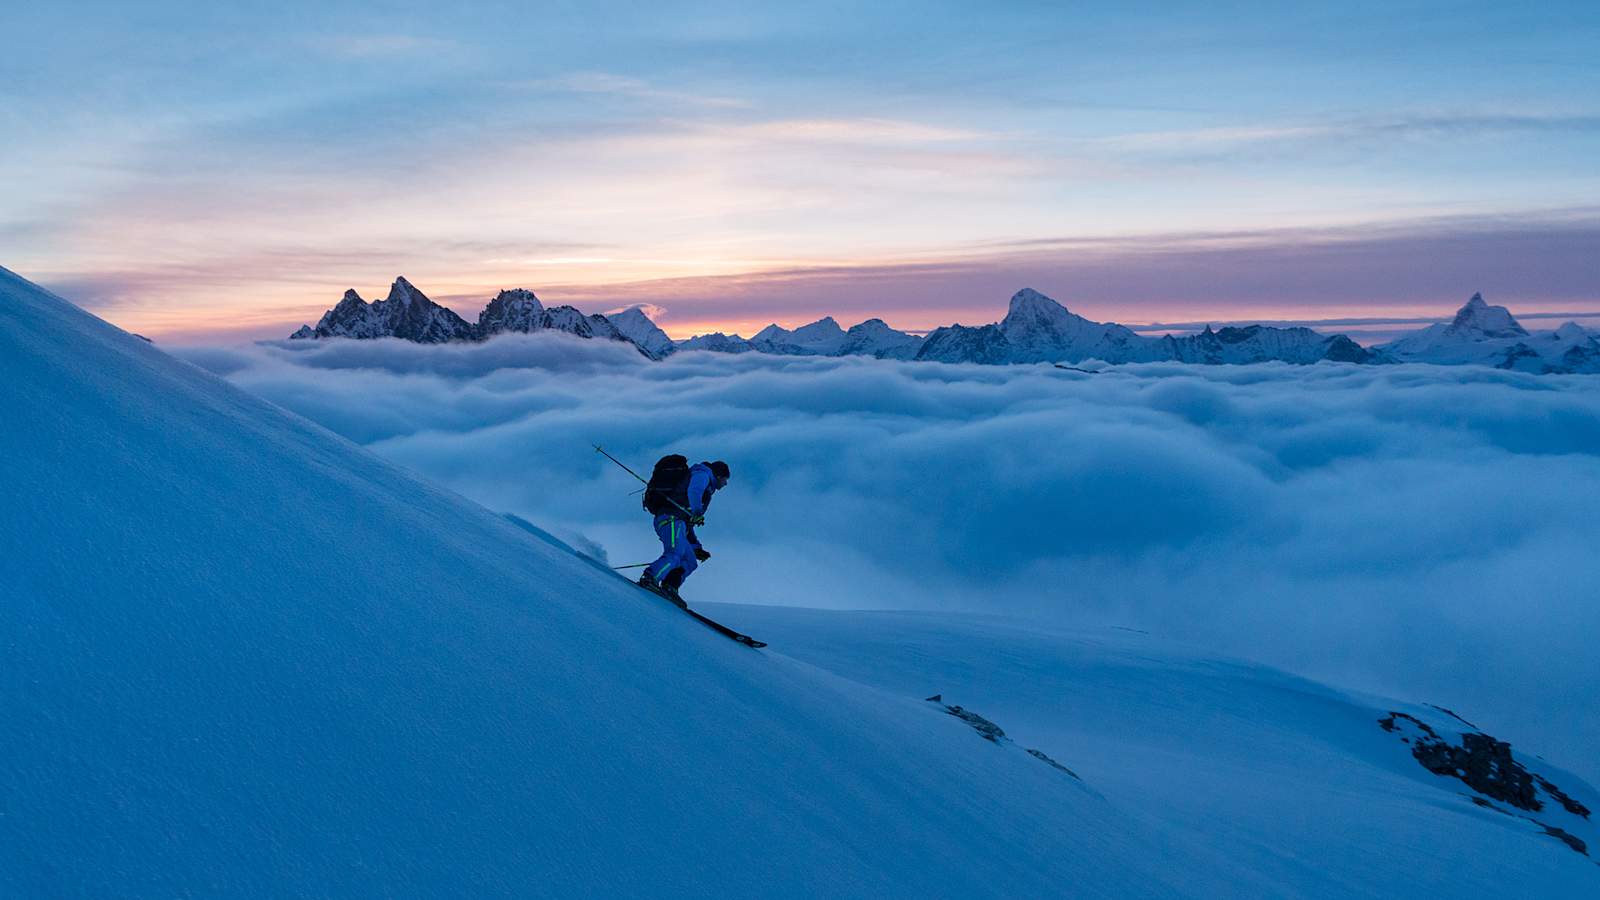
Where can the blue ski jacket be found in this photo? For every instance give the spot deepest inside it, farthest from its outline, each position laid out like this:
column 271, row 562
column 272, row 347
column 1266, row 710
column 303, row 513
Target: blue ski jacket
column 701, row 487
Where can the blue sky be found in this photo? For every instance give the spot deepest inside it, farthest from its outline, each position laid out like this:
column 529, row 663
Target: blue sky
column 187, row 169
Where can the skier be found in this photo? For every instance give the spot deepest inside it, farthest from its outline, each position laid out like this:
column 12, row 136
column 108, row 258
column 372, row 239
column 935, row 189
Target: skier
column 677, row 496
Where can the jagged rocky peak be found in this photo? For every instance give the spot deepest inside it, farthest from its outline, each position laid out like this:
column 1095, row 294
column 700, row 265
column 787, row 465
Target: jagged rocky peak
column 1479, row 320
column 514, row 310
column 350, row 317
column 402, row 291
column 350, row 304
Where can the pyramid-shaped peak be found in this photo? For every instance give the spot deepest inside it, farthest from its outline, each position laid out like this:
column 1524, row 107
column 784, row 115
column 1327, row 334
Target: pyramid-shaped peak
column 1028, row 298
column 824, row 325
column 403, row 291
column 1572, row 331
column 350, row 296
column 1478, row 320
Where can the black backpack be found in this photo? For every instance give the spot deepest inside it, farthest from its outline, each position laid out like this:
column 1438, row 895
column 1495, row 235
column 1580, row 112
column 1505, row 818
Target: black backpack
column 667, row 490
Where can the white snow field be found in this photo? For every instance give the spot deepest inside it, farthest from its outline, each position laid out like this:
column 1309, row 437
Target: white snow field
column 244, row 657
column 1300, row 783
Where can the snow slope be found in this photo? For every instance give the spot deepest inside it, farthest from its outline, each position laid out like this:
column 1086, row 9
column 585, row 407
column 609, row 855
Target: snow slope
column 245, row 657
column 637, row 327
column 1298, row 782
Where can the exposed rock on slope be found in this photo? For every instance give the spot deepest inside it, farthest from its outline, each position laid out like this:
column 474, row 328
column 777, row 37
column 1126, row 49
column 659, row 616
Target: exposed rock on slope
column 409, row 315
column 406, row 313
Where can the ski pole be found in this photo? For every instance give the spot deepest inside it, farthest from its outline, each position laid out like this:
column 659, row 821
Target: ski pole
column 634, row 566
column 602, row 451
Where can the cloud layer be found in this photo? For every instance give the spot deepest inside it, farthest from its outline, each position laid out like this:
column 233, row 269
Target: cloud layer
column 1422, row 531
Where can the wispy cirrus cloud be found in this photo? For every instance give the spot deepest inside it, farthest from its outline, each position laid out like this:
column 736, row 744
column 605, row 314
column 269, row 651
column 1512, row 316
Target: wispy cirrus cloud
column 373, row 46
column 1325, row 131
column 623, row 86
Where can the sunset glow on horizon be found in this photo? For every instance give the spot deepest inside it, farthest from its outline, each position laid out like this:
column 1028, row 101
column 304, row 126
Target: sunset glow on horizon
column 228, row 173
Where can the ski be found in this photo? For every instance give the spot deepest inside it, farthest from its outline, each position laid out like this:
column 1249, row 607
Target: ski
column 712, row 624
column 725, row 631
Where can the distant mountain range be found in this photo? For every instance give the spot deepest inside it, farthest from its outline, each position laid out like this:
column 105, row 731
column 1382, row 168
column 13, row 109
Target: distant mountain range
column 407, row 313
column 1035, row 329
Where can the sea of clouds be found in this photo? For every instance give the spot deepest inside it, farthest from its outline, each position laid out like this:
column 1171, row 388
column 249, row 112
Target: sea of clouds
column 1427, row 532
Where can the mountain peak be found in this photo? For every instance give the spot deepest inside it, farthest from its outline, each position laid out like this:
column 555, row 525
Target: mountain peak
column 350, row 296
column 1028, row 298
column 1478, row 320
column 825, row 326
column 403, row 291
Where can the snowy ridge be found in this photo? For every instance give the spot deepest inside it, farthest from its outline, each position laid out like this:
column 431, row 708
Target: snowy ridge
column 1038, row 329
column 1486, row 335
column 717, row 342
column 637, row 327
column 408, row 314
column 1035, row 329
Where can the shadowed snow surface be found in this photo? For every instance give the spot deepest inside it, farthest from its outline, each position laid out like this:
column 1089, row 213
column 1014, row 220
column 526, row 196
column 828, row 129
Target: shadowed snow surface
column 1299, row 782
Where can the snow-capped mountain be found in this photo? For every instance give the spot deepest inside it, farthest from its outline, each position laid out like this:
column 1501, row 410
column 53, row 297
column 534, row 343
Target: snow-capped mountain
column 875, row 338
column 1489, row 335
column 984, row 344
column 1038, row 329
column 1035, row 329
column 406, row 313
column 1261, row 343
column 634, row 324
column 409, row 315
column 823, row 337
column 716, row 342
column 513, row 310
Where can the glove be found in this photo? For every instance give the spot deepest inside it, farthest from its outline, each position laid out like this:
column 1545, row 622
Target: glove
column 702, row 554
column 697, row 520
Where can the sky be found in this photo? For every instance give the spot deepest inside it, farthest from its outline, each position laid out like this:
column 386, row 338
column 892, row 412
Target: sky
column 198, row 170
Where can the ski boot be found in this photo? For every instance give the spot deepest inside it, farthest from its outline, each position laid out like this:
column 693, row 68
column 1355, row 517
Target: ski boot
column 669, row 588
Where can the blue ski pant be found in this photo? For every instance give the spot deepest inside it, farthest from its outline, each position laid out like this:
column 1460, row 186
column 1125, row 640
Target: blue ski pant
column 677, row 547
